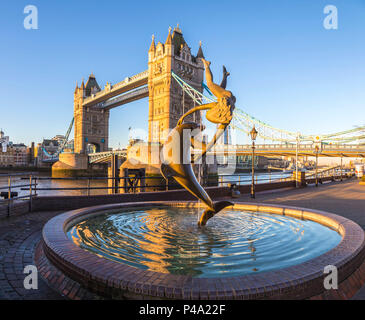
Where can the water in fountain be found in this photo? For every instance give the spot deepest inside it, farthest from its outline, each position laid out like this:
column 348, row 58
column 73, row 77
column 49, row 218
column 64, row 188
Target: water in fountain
column 232, row 243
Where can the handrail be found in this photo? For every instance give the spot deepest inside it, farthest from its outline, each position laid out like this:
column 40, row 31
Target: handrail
column 131, row 185
column 17, row 174
column 31, row 186
column 312, row 174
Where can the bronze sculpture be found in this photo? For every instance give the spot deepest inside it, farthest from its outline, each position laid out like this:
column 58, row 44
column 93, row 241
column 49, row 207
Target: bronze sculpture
column 176, row 160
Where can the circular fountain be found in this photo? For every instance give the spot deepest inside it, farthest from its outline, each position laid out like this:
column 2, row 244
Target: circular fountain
column 156, row 250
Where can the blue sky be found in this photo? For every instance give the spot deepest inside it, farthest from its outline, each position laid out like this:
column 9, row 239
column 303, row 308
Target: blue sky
column 286, row 68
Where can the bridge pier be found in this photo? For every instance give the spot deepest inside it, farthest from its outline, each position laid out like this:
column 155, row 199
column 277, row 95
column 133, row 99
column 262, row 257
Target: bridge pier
column 75, row 165
column 113, row 175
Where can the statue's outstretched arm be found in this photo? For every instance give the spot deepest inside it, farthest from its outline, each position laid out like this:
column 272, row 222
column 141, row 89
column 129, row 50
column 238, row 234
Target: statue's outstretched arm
column 202, row 107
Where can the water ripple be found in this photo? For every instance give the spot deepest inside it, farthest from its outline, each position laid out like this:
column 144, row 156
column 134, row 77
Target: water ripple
column 233, row 242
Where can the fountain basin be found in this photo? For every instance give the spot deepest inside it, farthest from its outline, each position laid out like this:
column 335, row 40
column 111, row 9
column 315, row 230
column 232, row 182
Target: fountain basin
column 115, row 279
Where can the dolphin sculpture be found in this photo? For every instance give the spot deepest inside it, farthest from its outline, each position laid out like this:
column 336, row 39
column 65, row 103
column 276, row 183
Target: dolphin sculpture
column 176, row 163
column 176, row 153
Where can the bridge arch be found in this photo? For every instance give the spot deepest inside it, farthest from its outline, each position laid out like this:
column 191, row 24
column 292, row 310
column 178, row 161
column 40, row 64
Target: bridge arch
column 92, row 147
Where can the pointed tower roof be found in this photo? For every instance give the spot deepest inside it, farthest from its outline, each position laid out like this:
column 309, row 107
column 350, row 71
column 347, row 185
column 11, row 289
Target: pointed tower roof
column 178, row 39
column 82, row 84
column 200, row 51
column 77, row 87
column 91, row 83
column 169, row 38
column 152, row 47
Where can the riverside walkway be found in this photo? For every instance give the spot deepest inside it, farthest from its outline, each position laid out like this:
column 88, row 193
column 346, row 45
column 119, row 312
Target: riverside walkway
column 19, row 235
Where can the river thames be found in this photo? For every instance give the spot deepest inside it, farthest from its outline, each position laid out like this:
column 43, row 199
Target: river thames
column 45, row 182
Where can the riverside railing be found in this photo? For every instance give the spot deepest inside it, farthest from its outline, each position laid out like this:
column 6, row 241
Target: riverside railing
column 127, row 186
column 9, row 193
column 225, row 180
column 336, row 172
column 133, row 184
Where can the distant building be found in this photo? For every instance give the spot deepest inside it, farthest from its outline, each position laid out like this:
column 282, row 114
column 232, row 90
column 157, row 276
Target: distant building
column 20, row 155
column 60, row 139
column 4, row 141
column 12, row 155
column 31, row 155
column 68, row 146
column 7, row 157
column 45, row 152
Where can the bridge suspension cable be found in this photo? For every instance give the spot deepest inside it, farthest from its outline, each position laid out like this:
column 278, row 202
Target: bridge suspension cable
column 55, row 155
column 194, row 94
column 244, row 122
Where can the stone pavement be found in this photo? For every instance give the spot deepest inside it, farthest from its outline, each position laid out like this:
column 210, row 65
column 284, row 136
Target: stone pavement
column 19, row 235
column 18, row 238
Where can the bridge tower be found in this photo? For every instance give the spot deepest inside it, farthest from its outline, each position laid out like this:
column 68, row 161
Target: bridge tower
column 167, row 102
column 91, row 123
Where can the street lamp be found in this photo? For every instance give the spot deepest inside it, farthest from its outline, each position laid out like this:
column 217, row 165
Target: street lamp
column 253, row 135
column 317, row 150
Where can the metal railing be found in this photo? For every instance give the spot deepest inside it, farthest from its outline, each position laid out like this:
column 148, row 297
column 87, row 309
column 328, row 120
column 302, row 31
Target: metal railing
column 325, row 172
column 335, row 173
column 247, row 179
column 11, row 194
column 127, row 187
column 133, row 184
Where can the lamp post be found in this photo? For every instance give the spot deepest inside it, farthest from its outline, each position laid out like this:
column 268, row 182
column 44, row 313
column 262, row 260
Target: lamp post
column 317, row 150
column 296, row 161
column 341, row 167
column 253, row 135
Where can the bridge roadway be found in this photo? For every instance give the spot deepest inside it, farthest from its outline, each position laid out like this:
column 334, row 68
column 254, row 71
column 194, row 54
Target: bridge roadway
column 100, row 157
column 348, row 150
column 130, row 83
column 330, row 150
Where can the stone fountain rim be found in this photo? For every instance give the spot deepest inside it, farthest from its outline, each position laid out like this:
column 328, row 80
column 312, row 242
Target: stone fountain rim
column 115, row 279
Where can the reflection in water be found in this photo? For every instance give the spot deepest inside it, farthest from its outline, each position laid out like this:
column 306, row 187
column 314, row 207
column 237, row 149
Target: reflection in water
column 233, row 242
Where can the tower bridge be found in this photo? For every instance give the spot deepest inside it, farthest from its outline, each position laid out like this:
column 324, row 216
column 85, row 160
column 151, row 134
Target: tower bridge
column 268, row 150
column 167, row 99
column 174, row 84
